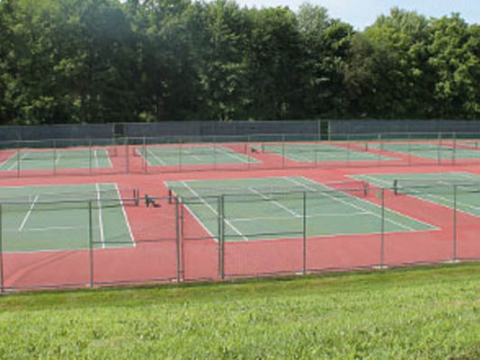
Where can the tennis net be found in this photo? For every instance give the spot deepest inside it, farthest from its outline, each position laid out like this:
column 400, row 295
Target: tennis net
column 358, row 188
column 91, row 153
column 169, row 151
column 436, row 186
column 99, row 198
column 417, row 146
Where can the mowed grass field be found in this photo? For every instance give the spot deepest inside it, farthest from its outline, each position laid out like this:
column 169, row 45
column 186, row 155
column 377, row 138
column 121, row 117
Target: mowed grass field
column 420, row 313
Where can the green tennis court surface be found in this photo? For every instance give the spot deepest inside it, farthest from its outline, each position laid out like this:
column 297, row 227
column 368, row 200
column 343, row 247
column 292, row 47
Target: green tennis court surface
column 59, row 159
column 429, row 150
column 321, row 152
column 260, row 209
column 434, row 187
column 44, row 218
column 191, row 155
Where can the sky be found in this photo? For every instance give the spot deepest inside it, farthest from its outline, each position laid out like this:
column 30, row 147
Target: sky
column 361, row 13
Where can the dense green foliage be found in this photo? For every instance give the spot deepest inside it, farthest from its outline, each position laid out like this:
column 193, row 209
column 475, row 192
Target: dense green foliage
column 424, row 313
column 83, row 61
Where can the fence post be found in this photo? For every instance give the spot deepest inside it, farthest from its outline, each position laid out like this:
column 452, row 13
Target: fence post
column 454, row 257
column 145, row 151
column 90, row 241
column 348, row 148
column 180, row 158
column 439, row 144
column 409, row 148
column 221, row 237
column 214, row 149
column 18, row 159
column 304, row 232
column 54, row 157
column 182, row 240
column 2, row 278
column 90, row 164
column 127, row 156
column 177, row 239
column 454, row 151
column 382, row 232
column 319, row 130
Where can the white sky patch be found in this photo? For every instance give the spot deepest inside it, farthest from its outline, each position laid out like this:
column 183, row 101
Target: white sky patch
column 362, row 13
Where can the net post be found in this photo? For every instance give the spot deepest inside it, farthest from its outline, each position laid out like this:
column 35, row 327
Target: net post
column 177, row 240
column 454, row 253
column 382, row 231
column 90, row 242
column 395, row 186
column 283, row 151
column 304, row 263
column 2, row 277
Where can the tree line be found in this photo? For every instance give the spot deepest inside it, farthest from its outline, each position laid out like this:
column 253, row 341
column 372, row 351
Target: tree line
column 91, row 61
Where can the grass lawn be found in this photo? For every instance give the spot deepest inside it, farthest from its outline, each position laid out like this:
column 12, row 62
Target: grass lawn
column 422, row 313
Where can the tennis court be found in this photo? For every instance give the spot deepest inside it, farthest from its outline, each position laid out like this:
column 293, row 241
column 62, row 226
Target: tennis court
column 57, row 159
column 57, row 217
column 191, row 155
column 429, row 150
column 437, row 188
column 274, row 208
column 321, row 152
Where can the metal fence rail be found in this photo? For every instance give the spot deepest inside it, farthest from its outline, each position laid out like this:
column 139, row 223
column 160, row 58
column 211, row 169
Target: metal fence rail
column 215, row 238
column 253, row 152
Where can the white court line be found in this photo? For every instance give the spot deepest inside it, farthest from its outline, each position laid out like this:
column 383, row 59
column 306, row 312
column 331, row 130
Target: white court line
column 7, row 160
column 95, row 155
column 125, row 216
column 22, row 225
column 376, row 180
column 215, row 211
column 281, row 206
column 417, row 196
column 108, row 158
column 349, row 204
column 155, row 156
column 48, row 229
column 58, row 156
column 426, row 194
column 15, row 163
column 290, row 218
column 100, row 216
column 233, row 155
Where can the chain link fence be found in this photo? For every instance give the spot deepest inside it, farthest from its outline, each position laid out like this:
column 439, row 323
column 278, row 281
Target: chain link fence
column 212, row 153
column 98, row 243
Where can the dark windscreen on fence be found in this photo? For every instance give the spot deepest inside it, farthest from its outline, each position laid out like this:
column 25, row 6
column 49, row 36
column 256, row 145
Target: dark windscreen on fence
column 216, row 128
column 43, row 132
column 338, row 127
